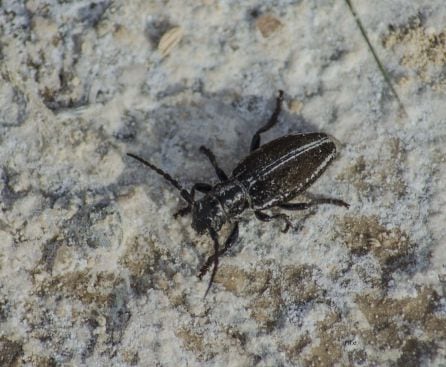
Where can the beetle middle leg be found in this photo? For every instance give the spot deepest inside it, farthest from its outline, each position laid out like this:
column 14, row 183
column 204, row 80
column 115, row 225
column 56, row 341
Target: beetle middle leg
column 199, row 186
column 220, row 173
column 255, row 142
column 268, row 218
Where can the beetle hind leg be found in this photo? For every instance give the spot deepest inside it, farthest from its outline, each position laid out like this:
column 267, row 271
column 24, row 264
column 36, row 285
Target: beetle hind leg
column 315, row 202
column 255, row 142
column 268, row 218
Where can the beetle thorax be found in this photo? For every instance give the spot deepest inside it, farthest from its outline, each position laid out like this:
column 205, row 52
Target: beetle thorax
column 233, row 197
column 224, row 202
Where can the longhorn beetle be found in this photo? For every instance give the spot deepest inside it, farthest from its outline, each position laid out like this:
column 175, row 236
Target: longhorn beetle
column 270, row 176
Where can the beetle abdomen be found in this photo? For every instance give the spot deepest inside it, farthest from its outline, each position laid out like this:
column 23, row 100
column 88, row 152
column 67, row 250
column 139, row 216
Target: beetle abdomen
column 282, row 168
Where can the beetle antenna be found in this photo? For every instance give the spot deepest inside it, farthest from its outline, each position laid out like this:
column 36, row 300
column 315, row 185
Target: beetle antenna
column 185, row 195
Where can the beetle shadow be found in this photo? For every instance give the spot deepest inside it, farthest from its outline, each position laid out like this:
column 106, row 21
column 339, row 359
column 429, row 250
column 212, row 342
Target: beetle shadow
column 170, row 136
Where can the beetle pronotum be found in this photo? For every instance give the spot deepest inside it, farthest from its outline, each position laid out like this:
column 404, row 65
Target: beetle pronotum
column 270, row 176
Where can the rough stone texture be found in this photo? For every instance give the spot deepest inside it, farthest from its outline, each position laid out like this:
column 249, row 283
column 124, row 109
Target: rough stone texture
column 94, row 269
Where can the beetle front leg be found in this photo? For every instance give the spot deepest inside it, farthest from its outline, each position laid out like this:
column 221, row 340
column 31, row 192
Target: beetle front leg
column 255, row 142
column 199, row 186
column 220, row 173
column 268, row 218
column 214, row 260
column 232, row 238
column 303, row 206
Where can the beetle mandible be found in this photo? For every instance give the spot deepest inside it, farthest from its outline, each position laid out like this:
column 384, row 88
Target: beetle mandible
column 270, row 176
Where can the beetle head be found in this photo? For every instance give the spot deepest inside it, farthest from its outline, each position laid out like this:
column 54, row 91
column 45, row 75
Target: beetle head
column 207, row 213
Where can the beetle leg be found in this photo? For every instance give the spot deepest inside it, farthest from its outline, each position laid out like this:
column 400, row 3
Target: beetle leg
column 303, row 206
column 255, row 142
column 215, row 260
column 199, row 186
column 182, row 212
column 220, row 173
column 232, row 238
column 268, row 218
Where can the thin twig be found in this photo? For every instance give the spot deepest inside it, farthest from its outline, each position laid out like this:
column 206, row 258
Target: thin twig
column 378, row 61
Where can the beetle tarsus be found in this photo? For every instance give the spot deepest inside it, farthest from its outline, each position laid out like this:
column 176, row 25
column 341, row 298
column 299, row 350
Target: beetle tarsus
column 182, row 212
column 268, row 218
column 339, row 202
column 288, row 225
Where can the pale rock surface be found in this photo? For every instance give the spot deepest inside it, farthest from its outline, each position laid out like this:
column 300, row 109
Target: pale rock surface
column 94, row 269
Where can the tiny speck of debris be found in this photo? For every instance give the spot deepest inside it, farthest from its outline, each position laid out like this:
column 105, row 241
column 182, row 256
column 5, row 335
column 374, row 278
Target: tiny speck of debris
column 295, row 106
column 267, row 25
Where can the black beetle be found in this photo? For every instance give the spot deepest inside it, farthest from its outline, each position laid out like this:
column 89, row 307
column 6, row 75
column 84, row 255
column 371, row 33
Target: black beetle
column 270, row 176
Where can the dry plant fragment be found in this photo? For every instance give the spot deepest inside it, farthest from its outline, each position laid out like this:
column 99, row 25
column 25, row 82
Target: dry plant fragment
column 267, row 25
column 295, row 106
column 169, row 40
